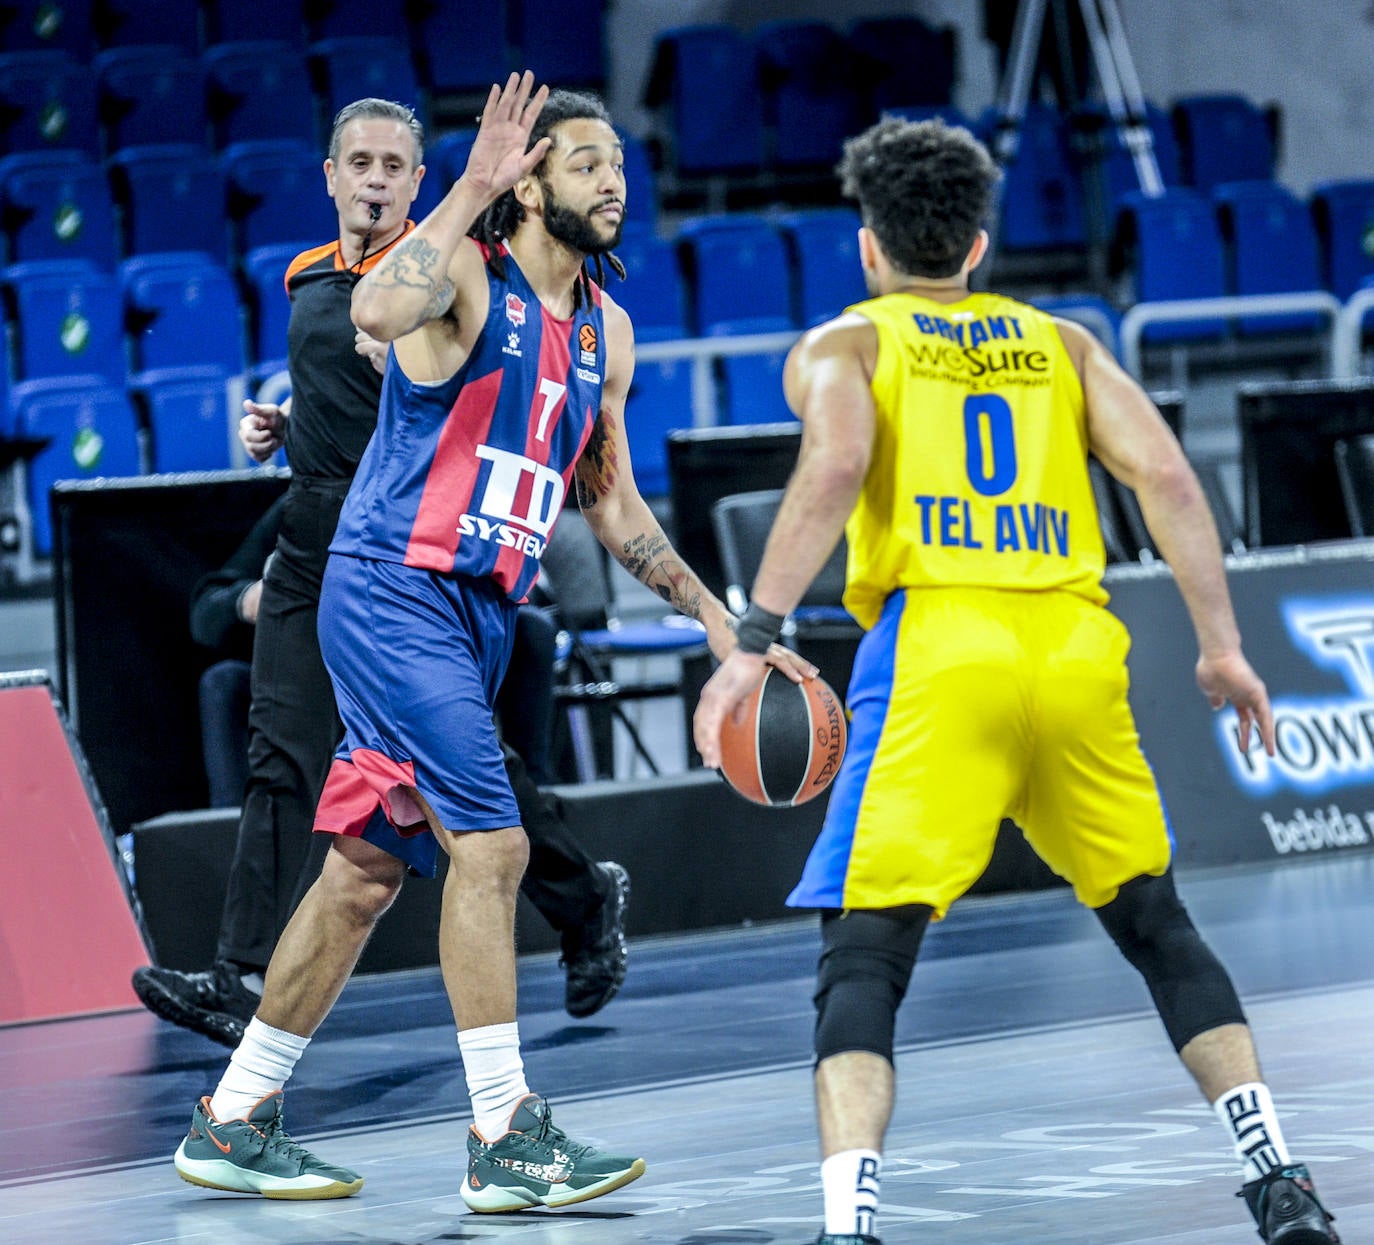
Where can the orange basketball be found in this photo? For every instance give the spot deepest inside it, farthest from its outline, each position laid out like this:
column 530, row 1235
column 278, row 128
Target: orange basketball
column 789, row 746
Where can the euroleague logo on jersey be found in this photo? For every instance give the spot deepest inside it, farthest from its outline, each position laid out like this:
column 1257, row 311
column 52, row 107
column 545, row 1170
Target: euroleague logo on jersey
column 515, row 310
column 586, row 340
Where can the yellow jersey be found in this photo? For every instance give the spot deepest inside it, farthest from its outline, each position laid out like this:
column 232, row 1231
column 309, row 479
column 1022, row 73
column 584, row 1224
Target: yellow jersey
column 979, row 473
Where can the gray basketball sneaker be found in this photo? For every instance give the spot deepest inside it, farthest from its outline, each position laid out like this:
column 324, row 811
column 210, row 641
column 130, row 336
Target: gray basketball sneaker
column 255, row 1155
column 538, row 1164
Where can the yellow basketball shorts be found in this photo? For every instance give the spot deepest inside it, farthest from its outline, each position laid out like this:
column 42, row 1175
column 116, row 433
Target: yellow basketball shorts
column 969, row 705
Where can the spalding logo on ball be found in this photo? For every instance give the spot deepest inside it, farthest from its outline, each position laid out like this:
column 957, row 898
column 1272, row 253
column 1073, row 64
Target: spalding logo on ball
column 788, row 747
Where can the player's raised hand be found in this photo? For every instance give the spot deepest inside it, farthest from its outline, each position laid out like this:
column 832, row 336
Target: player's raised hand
column 499, row 158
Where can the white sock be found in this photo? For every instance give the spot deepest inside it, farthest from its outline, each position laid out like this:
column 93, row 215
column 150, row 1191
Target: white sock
column 850, row 1184
column 495, row 1075
column 261, row 1065
column 1247, row 1113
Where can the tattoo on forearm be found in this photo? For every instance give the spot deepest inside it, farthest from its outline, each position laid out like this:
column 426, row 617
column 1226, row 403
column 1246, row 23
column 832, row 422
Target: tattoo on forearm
column 640, row 553
column 644, row 558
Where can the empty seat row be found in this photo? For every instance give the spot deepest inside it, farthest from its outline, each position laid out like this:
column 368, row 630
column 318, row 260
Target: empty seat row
column 162, row 197
column 788, row 93
column 88, row 427
column 457, row 45
column 1249, row 237
column 234, row 92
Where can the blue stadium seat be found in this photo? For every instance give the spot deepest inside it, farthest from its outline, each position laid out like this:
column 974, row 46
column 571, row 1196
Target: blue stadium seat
column 56, row 205
column 1344, row 214
column 188, row 416
column 359, row 68
column 171, row 197
column 641, row 192
column 345, row 19
column 903, row 60
column 36, row 25
column 1041, row 203
column 228, row 21
column 810, row 104
column 68, row 320
column 1223, row 138
column 1119, row 175
column 460, row 47
column 181, row 309
column 1174, row 246
column 561, row 40
column 824, row 247
column 737, row 270
column 264, row 271
column 276, row 194
column 93, row 431
column 1092, row 311
column 47, row 103
column 660, row 400
column 947, row 113
column 446, row 155
column 751, row 385
column 653, row 292
column 705, row 84
column 123, row 23
column 259, row 90
column 151, row 94
column 1271, row 249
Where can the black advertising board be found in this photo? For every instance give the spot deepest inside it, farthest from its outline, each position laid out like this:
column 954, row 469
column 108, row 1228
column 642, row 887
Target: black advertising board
column 1307, row 620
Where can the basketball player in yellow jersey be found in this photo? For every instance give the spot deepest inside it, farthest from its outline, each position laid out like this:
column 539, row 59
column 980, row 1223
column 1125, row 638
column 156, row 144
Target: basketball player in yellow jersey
column 947, row 433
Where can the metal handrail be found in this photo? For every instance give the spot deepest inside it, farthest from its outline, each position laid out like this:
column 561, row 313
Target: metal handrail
column 1345, row 339
column 701, row 350
column 1135, row 321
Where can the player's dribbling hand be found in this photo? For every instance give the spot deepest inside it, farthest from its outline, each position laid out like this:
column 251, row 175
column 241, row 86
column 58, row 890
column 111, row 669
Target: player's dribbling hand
column 1229, row 679
column 262, row 430
column 729, row 687
column 498, row 158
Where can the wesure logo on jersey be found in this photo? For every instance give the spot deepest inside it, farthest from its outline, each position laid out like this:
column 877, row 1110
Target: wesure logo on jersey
column 1322, row 741
column 520, row 501
column 515, row 310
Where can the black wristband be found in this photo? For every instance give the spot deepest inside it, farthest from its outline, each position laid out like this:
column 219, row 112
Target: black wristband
column 757, row 629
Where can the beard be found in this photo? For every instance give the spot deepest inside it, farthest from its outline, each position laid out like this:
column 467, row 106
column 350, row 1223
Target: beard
column 576, row 229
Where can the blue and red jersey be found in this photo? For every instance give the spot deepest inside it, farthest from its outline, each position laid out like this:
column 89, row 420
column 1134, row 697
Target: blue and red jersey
column 468, row 475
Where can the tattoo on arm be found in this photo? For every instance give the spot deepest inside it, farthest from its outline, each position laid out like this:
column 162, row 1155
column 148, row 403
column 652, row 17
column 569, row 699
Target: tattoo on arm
column 597, row 467
column 644, row 558
column 415, row 266
column 640, row 553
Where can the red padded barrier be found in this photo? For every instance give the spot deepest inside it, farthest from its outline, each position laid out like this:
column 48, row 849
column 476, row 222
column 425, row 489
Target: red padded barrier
column 68, row 936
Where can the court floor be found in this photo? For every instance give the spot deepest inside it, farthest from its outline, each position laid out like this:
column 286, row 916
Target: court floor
column 1038, row 1098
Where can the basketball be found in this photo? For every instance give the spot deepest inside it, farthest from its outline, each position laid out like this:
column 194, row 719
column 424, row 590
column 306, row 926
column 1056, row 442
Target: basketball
column 789, row 745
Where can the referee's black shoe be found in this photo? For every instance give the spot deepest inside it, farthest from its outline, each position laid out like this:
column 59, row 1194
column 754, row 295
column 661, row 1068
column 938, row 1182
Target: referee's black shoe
column 215, row 1003
column 857, row 1238
column 594, row 954
column 1285, row 1206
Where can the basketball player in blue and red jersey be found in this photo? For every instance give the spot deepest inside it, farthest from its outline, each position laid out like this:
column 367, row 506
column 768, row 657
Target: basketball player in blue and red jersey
column 506, row 378
column 947, row 434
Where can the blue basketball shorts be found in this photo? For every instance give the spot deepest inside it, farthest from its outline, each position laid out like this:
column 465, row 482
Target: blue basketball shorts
column 416, row 658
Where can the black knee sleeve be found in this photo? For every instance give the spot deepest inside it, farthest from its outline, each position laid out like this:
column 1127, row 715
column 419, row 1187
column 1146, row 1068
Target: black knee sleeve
column 1153, row 930
column 865, row 964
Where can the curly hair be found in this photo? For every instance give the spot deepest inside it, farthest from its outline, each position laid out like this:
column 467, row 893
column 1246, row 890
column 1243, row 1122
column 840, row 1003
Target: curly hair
column 924, row 188
column 503, row 216
column 377, row 110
